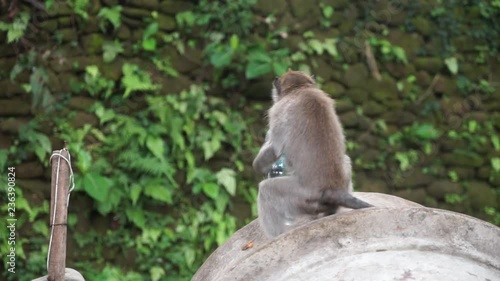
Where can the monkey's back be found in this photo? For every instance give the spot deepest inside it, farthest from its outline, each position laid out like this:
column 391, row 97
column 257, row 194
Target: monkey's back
column 313, row 138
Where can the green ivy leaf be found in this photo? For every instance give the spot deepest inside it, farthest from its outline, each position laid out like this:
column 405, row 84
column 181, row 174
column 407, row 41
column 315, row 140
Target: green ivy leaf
column 111, row 50
column 135, row 79
column 44, row 146
column 227, row 177
column 96, row 186
column 135, row 192
column 210, row 189
column 279, row 68
column 316, row 45
column 256, row 69
column 189, row 256
column 159, row 192
column 149, row 44
column 156, row 273
column 111, row 14
column 426, row 131
column 136, row 215
column 259, row 55
column 156, row 146
column 400, row 54
column 234, row 42
column 452, row 65
column 222, row 57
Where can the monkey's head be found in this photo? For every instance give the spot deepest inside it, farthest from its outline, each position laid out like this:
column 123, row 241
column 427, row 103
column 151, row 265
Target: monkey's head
column 290, row 81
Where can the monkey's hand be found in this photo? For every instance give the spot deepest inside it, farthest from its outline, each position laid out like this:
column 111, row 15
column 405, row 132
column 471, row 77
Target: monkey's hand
column 264, row 161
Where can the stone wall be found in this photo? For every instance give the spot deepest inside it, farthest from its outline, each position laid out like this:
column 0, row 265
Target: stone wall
column 372, row 111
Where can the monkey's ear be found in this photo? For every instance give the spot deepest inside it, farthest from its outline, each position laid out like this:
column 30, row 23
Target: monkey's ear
column 313, row 78
column 289, row 69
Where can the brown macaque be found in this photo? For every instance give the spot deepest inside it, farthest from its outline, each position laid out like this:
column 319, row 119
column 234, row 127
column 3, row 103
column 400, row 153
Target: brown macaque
column 304, row 127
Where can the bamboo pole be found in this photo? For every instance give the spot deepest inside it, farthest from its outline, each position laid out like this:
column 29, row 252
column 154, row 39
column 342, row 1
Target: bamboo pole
column 58, row 215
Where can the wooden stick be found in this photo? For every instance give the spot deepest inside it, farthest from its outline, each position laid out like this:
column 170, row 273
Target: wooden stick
column 429, row 90
column 58, row 215
column 372, row 63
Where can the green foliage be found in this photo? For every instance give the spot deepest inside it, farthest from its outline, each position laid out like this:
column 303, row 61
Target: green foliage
column 388, row 51
column 111, row 49
column 136, row 79
column 148, row 39
column 231, row 17
column 79, row 7
column 327, row 13
column 17, row 28
column 111, row 16
column 452, row 65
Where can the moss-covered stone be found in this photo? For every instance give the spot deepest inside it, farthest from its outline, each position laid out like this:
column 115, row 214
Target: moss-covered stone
column 12, row 125
column 29, row 170
column 68, row 34
column 484, row 173
column 349, row 119
column 383, row 91
column 446, row 86
column 181, row 82
column 464, row 43
column 166, row 22
column 49, row 25
column 357, row 95
column 449, row 145
column 372, row 108
column 15, row 107
column 123, row 32
column 81, row 119
column 184, row 63
column 64, row 22
column 113, row 70
column 275, row 7
column 415, row 178
column 10, row 88
column 132, row 23
column 423, row 79
column 422, row 25
column 81, row 103
column 410, row 42
column 481, row 195
column 335, row 90
column 59, row 9
column 343, row 105
column 304, row 9
column 417, row 195
column 91, row 25
column 399, row 70
column 53, row 81
column 372, row 185
column 150, row 4
column 430, row 64
column 136, row 12
column 92, row 43
column 336, row 4
column 65, row 80
column 463, row 159
column 440, row 188
column 400, row 118
column 356, row 75
column 463, row 173
column 172, row 7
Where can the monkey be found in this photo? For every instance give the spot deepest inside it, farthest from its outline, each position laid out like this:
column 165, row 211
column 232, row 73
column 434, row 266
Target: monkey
column 303, row 126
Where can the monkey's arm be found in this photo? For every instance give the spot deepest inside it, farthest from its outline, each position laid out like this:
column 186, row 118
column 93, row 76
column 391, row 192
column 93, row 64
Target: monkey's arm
column 264, row 160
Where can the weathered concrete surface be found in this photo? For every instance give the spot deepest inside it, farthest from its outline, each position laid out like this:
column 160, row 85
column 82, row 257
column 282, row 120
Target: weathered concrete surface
column 70, row 275
column 399, row 241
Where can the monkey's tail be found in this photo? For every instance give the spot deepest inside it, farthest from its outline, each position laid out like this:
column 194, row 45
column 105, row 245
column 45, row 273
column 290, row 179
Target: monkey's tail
column 344, row 199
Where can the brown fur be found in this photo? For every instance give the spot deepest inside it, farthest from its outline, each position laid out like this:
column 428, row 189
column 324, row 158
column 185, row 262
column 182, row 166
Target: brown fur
column 304, row 126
